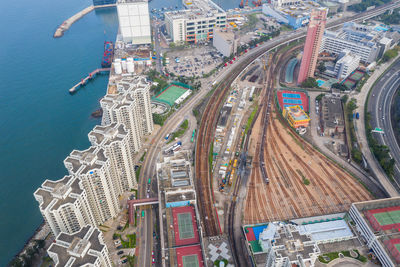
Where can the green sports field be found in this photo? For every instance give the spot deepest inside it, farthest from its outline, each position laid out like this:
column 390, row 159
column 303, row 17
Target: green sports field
column 387, row 218
column 170, row 94
column 185, row 225
column 190, row 261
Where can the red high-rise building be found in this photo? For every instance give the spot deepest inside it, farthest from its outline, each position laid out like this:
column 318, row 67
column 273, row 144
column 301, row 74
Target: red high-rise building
column 315, row 33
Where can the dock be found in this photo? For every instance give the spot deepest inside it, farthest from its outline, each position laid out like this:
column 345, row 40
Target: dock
column 84, row 81
column 67, row 23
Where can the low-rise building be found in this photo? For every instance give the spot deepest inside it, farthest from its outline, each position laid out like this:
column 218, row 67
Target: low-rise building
column 224, row 41
column 178, row 210
column 332, row 117
column 378, row 222
column 196, row 23
column 83, row 248
column 296, row 117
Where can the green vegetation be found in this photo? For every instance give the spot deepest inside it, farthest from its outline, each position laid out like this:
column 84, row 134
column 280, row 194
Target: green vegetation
column 250, row 119
column 251, row 22
column 142, row 157
column 131, row 260
column 137, row 173
column 295, row 139
column 390, row 54
column 216, row 263
column 381, row 152
column 310, row 83
column 130, row 243
column 361, row 7
column 361, row 83
column 346, row 253
column 182, row 129
column 160, row 119
column 285, row 28
column 321, row 67
column 340, row 86
column 393, row 18
column 352, row 139
column 46, row 262
column 345, row 98
column 319, row 97
column 305, row 180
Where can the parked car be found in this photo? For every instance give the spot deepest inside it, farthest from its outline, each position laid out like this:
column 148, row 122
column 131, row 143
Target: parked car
column 124, row 261
column 119, row 247
column 120, row 252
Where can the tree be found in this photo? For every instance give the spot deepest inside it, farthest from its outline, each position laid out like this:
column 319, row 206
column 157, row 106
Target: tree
column 345, row 98
column 340, row 86
column 310, row 83
column 321, row 67
column 172, row 45
column 390, row 54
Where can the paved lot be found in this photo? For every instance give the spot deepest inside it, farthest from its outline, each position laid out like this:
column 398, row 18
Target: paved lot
column 193, row 62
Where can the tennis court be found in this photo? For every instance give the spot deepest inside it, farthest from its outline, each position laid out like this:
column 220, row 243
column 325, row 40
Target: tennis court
column 185, row 225
column 190, row 261
column 189, row 256
column 290, row 95
column 291, row 101
column 386, row 218
column 356, row 76
column 349, row 84
column 170, row 94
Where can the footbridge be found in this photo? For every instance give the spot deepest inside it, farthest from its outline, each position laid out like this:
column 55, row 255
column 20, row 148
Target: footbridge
column 133, row 203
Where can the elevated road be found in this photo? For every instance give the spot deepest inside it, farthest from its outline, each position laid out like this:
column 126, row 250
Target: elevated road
column 379, row 105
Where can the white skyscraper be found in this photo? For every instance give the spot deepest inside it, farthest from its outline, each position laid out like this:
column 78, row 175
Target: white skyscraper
column 99, row 180
column 64, row 205
column 134, row 21
column 115, row 141
column 84, row 248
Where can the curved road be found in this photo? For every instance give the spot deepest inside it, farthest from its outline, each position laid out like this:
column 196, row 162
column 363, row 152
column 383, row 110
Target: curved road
column 148, row 168
column 379, row 106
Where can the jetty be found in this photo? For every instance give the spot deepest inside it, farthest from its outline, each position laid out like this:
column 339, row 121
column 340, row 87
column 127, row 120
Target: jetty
column 84, row 81
column 67, row 23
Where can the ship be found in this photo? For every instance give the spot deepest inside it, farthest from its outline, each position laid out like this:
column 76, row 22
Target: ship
column 108, row 55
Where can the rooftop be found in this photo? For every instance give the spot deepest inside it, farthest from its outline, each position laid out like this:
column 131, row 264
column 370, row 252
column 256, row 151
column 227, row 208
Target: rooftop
column 196, row 9
column 77, row 249
column 54, row 194
column 107, row 134
column 86, row 160
column 297, row 113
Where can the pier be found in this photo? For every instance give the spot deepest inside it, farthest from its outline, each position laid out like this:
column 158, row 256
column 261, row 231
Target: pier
column 91, row 75
column 67, row 23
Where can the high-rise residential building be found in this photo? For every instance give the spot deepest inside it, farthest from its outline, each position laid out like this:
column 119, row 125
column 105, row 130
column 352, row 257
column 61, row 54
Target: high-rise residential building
column 134, row 21
column 99, row 180
column 123, row 108
column 315, row 33
column 115, row 141
column 196, row 23
column 83, row 248
column 131, row 107
column 64, row 205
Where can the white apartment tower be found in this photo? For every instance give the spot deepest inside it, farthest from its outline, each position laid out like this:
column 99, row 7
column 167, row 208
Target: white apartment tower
column 99, row 180
column 115, row 141
column 123, row 108
column 84, row 248
column 64, row 205
column 134, row 21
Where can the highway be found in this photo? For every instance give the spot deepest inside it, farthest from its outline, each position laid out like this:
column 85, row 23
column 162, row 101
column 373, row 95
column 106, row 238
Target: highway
column 145, row 227
column 379, row 106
